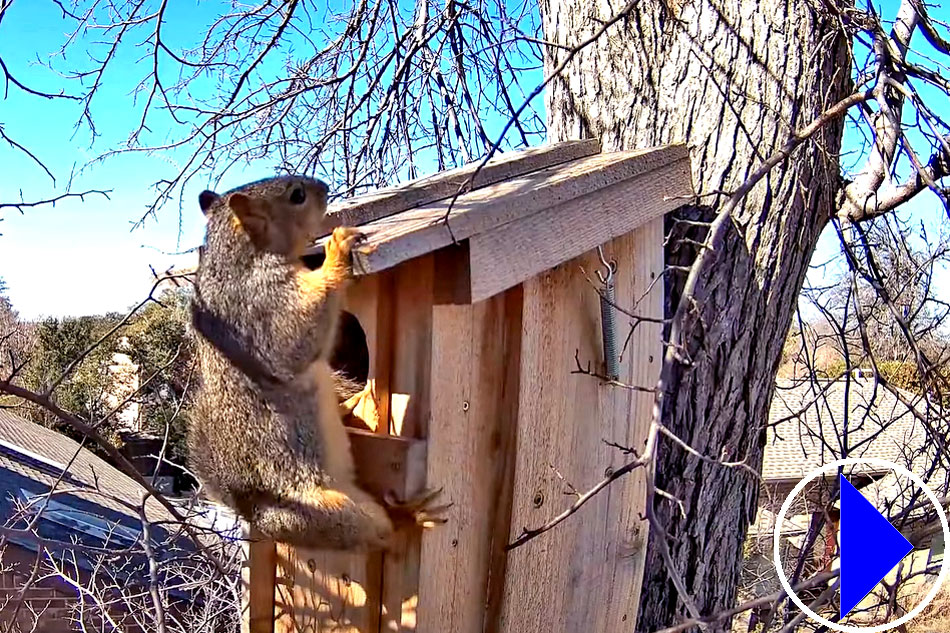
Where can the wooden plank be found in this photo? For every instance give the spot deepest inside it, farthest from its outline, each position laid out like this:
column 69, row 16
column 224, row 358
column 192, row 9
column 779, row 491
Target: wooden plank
column 584, row 575
column 284, row 600
column 453, row 284
column 384, row 351
column 370, row 300
column 245, row 580
column 400, row 584
column 262, row 570
column 385, row 202
column 367, row 300
column 419, row 231
column 322, row 591
column 641, row 289
column 533, row 603
column 339, row 591
column 410, row 319
column 453, row 350
column 422, row 230
column 504, row 459
column 513, row 252
column 471, row 445
column 388, row 463
column 411, row 322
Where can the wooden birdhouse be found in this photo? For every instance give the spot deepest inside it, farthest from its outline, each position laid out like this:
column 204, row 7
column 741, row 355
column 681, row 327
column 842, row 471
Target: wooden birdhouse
column 482, row 333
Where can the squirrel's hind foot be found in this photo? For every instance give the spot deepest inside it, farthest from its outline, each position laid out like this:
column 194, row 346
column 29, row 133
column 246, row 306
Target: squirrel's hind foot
column 417, row 511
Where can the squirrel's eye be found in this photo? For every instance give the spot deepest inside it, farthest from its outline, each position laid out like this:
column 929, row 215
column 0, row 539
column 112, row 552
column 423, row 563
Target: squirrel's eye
column 298, row 195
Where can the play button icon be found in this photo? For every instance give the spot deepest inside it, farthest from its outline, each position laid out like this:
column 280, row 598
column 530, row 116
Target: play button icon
column 870, row 546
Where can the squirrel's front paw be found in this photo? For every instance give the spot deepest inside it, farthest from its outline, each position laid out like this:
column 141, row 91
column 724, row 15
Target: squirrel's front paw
column 340, row 247
column 418, row 511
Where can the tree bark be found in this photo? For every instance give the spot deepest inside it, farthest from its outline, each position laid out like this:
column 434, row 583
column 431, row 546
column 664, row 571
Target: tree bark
column 733, row 80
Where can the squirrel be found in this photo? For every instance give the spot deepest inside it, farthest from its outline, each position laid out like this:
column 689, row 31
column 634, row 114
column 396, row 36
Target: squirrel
column 266, row 437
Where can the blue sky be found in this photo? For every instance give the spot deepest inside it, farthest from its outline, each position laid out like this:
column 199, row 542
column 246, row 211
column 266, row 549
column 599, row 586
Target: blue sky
column 81, row 257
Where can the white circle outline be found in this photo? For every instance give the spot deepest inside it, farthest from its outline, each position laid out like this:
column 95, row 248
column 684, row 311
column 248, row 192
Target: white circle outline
column 780, row 519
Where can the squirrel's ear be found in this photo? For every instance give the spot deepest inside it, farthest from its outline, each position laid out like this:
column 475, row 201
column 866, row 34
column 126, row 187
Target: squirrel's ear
column 250, row 218
column 206, row 199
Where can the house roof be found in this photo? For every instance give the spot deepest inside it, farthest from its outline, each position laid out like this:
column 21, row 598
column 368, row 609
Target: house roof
column 808, row 417
column 44, row 456
column 34, row 459
column 525, row 212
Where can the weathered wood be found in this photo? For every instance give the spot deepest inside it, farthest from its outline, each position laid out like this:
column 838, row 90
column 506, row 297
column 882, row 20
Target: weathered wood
column 368, row 298
column 322, row 591
column 385, row 202
column 513, row 252
column 581, row 576
column 475, row 368
column 340, row 591
column 262, row 570
column 411, row 322
column 388, row 463
column 399, row 570
column 285, row 598
column 422, row 230
column 453, row 283
column 471, row 352
column 640, row 253
column 410, row 318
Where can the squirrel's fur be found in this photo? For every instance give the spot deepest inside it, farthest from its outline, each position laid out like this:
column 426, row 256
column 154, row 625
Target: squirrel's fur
column 266, row 436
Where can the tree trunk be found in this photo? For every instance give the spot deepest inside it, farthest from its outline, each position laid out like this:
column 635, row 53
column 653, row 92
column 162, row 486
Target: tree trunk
column 733, row 80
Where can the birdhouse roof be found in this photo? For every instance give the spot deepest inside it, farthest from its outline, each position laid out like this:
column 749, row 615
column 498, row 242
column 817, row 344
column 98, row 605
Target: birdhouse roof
column 522, row 213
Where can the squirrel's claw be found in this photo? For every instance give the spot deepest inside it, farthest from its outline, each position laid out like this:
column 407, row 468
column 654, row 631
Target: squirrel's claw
column 417, row 511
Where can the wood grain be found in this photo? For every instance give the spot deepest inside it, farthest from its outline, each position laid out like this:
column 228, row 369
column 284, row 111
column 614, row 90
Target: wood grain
column 471, row 443
column 475, row 385
column 321, row 591
column 388, row 463
column 262, row 568
column 631, row 419
column 419, row 231
column 519, row 250
column 368, row 299
column 411, row 321
column 385, row 202
column 339, row 591
column 363, row 592
column 583, row 575
column 422, row 230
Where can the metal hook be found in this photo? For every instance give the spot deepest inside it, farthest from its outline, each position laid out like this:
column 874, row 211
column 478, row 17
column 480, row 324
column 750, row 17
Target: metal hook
column 610, row 267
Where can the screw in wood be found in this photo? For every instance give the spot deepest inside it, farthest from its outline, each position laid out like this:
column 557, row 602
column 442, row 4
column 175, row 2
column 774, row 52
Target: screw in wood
column 538, row 499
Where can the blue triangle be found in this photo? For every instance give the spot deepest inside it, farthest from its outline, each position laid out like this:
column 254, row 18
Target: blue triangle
column 870, row 546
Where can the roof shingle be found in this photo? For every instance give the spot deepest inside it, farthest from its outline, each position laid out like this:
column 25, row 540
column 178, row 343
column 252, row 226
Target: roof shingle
column 812, row 423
